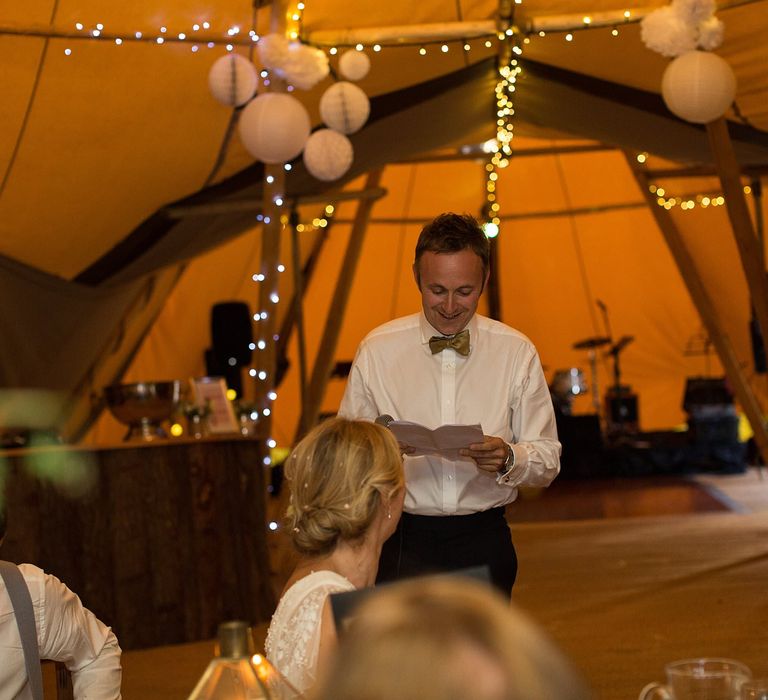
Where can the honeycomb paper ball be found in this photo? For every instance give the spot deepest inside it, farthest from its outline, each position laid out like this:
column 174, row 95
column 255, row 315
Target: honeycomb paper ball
column 354, row 65
column 344, row 107
column 232, row 80
column 274, row 127
column 698, row 87
column 328, row 154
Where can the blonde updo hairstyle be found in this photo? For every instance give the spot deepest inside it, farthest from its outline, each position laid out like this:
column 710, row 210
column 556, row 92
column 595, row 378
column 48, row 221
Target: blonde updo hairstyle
column 339, row 474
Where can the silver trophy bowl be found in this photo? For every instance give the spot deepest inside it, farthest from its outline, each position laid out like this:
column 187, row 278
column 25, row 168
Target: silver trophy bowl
column 144, row 406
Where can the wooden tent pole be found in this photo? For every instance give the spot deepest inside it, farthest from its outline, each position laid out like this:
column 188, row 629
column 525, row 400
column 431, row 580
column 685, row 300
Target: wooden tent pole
column 703, row 303
column 743, row 231
column 274, row 186
column 297, row 309
column 327, row 352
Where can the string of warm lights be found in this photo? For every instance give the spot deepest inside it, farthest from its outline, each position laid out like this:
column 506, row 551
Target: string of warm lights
column 501, row 147
column 689, row 201
column 199, row 35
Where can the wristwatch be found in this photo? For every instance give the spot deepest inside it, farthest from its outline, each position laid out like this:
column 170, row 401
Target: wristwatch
column 509, row 462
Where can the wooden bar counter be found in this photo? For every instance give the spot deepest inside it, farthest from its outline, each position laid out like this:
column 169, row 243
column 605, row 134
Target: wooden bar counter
column 161, row 540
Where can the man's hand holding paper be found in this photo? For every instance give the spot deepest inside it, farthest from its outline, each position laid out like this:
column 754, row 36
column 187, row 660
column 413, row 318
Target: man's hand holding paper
column 449, row 441
column 490, row 453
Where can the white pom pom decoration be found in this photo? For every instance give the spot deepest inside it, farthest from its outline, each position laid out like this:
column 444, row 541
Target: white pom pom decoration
column 681, row 27
column 274, row 127
column 304, row 66
column 698, row 87
column 344, row 107
column 273, row 50
column 232, row 80
column 711, row 34
column 354, row 65
column 694, row 12
column 665, row 32
column 328, row 154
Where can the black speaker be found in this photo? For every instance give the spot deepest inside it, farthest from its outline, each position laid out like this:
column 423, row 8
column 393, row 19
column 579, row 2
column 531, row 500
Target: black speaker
column 233, row 374
column 231, row 334
column 707, row 396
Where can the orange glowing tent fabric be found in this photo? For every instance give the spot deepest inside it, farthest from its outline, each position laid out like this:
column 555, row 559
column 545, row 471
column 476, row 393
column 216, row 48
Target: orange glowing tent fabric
column 109, row 155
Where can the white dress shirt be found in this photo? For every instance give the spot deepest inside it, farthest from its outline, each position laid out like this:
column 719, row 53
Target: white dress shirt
column 67, row 632
column 499, row 385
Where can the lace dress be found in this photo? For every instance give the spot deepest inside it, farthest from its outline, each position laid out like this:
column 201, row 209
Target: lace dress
column 293, row 638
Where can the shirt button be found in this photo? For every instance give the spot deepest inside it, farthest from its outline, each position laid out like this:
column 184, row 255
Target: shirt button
column 450, row 477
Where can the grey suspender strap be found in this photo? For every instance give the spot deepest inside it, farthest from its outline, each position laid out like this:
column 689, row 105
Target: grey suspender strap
column 25, row 619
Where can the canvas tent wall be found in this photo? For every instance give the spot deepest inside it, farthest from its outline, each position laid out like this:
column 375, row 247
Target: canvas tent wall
column 82, row 173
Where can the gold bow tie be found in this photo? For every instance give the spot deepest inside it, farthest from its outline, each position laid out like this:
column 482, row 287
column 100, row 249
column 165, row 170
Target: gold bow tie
column 459, row 342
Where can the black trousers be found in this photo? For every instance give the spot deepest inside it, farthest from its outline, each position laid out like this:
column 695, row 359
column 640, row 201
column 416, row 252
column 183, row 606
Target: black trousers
column 424, row 544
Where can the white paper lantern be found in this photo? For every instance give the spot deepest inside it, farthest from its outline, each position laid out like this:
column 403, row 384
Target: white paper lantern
column 233, row 80
column 274, row 127
column 328, row 154
column 344, row 107
column 698, row 87
column 354, row 65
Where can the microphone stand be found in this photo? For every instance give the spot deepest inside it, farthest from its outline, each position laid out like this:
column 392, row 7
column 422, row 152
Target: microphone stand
column 607, row 324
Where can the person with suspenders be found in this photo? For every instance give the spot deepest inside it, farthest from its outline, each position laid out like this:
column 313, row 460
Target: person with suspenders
column 40, row 618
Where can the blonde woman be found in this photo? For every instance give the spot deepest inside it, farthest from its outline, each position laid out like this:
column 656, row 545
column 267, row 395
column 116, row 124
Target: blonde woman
column 446, row 638
column 347, row 489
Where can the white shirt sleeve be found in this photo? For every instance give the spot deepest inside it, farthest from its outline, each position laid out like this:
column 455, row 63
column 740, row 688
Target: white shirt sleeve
column 537, row 450
column 72, row 634
column 358, row 402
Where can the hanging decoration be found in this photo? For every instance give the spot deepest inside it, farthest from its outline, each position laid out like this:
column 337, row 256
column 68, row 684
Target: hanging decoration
column 274, row 127
column 344, row 107
column 328, row 154
column 354, row 65
column 233, row 80
column 697, row 86
column 296, row 63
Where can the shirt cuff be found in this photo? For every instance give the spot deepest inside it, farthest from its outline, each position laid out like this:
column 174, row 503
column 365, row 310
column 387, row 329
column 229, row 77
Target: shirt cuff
column 511, row 476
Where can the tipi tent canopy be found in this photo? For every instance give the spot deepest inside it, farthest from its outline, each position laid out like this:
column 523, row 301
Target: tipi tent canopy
column 128, row 206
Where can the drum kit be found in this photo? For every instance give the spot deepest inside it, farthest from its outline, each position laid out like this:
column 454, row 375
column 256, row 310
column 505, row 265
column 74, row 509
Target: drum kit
column 569, row 383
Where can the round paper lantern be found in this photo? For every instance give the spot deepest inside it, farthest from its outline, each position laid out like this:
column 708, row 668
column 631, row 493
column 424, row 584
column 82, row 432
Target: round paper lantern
column 274, row 127
column 344, row 107
column 232, row 80
column 698, row 87
column 328, row 154
column 354, row 65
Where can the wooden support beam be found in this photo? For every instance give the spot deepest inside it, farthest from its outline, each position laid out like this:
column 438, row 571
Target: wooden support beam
column 701, row 171
column 743, row 230
column 477, row 153
column 327, row 353
column 493, row 294
column 230, row 206
column 297, row 307
column 703, row 303
column 403, row 34
column 273, row 186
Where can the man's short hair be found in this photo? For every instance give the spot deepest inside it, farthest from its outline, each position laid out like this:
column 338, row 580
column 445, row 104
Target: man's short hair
column 3, row 522
column 451, row 233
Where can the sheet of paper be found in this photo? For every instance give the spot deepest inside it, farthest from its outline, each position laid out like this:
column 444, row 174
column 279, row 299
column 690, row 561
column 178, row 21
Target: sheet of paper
column 445, row 440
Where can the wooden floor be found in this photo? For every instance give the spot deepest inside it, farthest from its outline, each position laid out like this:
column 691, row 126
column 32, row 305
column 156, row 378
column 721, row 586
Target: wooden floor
column 621, row 593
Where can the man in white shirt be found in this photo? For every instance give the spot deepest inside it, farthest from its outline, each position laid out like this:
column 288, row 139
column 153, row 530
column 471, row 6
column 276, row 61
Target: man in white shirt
column 449, row 365
column 66, row 632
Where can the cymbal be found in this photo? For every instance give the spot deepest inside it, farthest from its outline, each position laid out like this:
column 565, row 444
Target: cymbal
column 589, row 343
